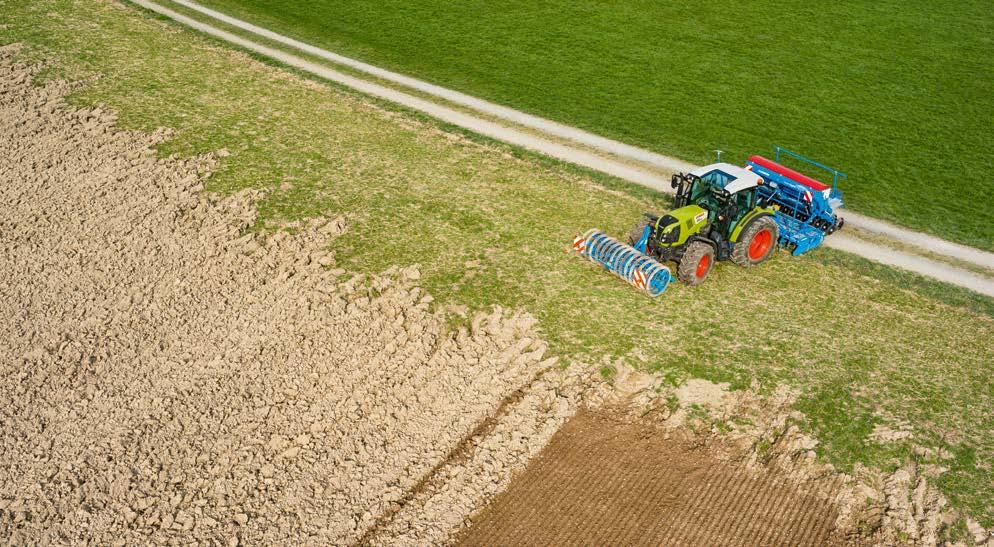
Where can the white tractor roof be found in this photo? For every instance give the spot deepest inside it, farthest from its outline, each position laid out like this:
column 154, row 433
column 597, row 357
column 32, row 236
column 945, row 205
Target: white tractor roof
column 738, row 178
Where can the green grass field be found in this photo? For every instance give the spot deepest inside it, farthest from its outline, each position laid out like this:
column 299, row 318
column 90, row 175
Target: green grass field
column 491, row 225
column 895, row 93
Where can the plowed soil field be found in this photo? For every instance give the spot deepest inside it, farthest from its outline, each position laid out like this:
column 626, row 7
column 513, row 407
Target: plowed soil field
column 170, row 375
column 604, row 482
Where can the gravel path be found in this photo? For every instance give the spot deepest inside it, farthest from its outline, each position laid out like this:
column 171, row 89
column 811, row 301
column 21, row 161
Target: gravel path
column 515, row 116
column 924, row 266
column 649, row 178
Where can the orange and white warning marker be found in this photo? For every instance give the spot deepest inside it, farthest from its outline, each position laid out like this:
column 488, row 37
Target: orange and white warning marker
column 638, row 279
column 579, row 244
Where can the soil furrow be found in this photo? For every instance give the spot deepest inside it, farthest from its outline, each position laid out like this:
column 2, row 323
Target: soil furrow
column 673, row 495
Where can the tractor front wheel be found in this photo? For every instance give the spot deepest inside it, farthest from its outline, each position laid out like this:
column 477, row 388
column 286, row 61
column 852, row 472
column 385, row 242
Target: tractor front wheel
column 696, row 263
column 757, row 242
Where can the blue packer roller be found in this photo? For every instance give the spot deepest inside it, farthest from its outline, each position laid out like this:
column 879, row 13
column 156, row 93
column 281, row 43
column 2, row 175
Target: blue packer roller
column 626, row 262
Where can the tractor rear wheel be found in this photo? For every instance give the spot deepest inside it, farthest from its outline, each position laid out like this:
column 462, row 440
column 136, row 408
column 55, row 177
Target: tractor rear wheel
column 696, row 263
column 757, row 242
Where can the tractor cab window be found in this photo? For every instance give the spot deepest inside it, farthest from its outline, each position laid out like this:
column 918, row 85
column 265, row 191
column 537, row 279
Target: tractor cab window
column 708, row 190
column 717, row 178
column 704, row 191
column 745, row 200
column 699, row 189
column 713, row 182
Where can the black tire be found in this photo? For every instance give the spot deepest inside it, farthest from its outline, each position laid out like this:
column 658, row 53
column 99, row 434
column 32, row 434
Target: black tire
column 636, row 233
column 696, row 263
column 757, row 242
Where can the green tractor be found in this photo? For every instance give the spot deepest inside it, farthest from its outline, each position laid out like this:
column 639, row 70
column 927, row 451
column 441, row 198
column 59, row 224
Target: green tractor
column 719, row 215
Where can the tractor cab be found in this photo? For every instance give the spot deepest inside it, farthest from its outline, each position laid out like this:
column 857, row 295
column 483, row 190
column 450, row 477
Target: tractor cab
column 718, row 216
column 726, row 191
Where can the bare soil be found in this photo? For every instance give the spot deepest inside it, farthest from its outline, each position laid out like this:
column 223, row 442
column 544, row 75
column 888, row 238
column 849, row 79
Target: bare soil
column 169, row 374
column 602, row 481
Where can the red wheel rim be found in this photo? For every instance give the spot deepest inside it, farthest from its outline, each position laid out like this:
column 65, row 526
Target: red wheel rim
column 760, row 245
column 702, row 266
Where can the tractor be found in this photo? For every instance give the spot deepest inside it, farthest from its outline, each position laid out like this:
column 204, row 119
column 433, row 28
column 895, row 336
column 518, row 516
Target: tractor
column 723, row 212
column 719, row 215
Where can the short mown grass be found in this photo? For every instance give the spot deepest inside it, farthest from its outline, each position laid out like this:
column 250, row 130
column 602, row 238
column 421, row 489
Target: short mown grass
column 489, row 225
column 895, row 92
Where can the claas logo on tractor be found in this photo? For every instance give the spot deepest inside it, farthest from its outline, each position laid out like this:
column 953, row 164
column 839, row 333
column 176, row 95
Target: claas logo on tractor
column 723, row 212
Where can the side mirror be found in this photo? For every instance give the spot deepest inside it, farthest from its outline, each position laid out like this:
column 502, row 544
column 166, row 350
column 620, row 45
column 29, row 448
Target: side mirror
column 675, row 181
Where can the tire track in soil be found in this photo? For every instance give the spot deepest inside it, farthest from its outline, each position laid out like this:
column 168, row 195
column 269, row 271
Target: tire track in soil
column 459, row 454
column 604, row 481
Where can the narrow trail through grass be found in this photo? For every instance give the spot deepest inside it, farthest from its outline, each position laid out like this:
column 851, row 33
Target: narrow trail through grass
column 491, row 226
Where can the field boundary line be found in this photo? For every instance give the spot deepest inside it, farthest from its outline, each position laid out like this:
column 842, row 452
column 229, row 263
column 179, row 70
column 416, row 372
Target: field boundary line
column 570, row 154
column 460, row 453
